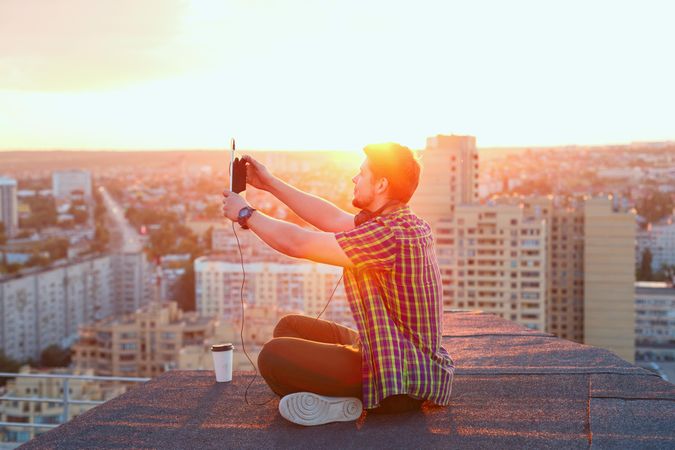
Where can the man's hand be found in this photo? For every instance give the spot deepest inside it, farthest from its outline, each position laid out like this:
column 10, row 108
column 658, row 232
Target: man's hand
column 232, row 204
column 257, row 175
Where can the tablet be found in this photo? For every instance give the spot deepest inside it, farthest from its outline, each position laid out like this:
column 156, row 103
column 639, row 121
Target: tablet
column 237, row 170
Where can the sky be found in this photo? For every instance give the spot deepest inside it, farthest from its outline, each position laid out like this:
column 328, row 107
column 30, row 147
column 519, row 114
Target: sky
column 312, row 74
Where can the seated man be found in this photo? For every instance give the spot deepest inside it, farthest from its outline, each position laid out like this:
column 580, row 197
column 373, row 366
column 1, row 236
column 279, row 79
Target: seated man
column 395, row 361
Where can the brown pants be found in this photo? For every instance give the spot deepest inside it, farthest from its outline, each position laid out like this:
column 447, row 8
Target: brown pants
column 319, row 356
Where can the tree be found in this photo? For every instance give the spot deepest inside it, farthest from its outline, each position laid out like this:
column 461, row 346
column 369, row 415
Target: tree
column 43, row 213
column 7, row 364
column 101, row 238
column 655, row 206
column 184, row 289
column 55, row 356
column 645, row 271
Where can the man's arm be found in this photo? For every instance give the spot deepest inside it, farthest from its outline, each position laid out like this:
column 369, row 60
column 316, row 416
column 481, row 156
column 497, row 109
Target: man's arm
column 315, row 210
column 292, row 240
column 288, row 238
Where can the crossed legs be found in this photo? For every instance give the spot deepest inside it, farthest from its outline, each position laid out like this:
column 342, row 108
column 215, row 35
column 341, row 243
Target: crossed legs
column 314, row 355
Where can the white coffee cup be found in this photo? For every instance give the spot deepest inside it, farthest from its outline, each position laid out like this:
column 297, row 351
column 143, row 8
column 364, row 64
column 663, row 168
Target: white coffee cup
column 222, row 361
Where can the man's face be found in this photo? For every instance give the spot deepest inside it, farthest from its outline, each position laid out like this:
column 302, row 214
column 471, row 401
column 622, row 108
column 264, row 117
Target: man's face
column 364, row 187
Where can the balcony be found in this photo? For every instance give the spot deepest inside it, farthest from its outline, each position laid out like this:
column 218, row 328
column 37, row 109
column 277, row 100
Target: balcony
column 513, row 388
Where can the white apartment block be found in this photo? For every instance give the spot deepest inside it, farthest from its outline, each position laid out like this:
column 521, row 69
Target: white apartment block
column 9, row 215
column 660, row 239
column 64, row 182
column 304, row 286
column 493, row 258
column 134, row 281
column 654, row 321
column 449, row 177
column 47, row 307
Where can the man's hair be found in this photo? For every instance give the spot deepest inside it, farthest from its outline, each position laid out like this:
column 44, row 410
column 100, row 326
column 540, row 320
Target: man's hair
column 398, row 165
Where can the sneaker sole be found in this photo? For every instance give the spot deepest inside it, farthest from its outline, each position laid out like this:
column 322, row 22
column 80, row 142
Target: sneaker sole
column 309, row 409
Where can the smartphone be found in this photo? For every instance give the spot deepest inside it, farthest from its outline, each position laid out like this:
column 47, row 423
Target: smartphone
column 237, row 170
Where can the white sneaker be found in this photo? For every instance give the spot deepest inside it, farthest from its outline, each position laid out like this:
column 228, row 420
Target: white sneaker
column 308, row 409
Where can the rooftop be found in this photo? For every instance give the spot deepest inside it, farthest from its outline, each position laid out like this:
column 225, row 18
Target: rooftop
column 513, row 388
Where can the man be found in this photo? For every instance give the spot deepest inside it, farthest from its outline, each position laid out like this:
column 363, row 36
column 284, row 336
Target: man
column 395, row 361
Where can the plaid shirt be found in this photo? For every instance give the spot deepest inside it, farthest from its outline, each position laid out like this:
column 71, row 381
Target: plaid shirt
column 395, row 294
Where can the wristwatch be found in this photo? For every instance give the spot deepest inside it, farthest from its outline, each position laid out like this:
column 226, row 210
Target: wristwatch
column 243, row 216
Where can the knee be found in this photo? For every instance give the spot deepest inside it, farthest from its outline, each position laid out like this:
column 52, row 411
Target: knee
column 268, row 357
column 285, row 325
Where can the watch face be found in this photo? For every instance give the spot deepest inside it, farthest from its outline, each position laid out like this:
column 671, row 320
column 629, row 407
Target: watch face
column 245, row 212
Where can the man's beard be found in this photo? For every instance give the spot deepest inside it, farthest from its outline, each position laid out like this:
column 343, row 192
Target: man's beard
column 360, row 204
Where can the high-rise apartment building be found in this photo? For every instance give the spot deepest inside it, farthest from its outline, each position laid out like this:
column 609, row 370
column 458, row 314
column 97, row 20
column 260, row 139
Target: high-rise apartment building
column 493, row 258
column 564, row 219
column 9, row 215
column 46, row 307
column 655, row 321
column 609, row 277
column 134, row 280
column 143, row 344
column 64, row 182
column 449, row 177
column 588, row 243
column 295, row 286
column 659, row 238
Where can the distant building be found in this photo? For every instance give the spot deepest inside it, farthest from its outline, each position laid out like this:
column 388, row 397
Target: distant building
column 65, row 182
column 659, row 238
column 259, row 327
column 134, row 281
column 449, row 177
column 654, row 321
column 170, row 270
column 565, row 263
column 588, row 275
column 45, row 307
column 48, row 412
column 9, row 215
column 253, row 249
column 295, row 286
column 143, row 344
column 609, row 277
column 493, row 258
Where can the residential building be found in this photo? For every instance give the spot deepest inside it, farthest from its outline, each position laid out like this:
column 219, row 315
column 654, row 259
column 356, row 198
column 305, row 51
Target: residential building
column 609, row 277
column 582, row 254
column 293, row 286
column 142, row 344
column 565, row 262
column 135, row 281
column 64, row 182
column 654, row 321
column 659, row 238
column 449, row 177
column 9, row 215
column 493, row 258
column 169, row 270
column 22, row 411
column 43, row 307
column 252, row 248
column 258, row 329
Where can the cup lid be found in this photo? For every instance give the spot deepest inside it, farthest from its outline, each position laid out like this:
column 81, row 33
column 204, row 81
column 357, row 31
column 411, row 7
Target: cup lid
column 222, row 347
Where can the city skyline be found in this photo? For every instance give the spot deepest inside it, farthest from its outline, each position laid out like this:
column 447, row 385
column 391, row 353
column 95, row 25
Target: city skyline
column 302, row 75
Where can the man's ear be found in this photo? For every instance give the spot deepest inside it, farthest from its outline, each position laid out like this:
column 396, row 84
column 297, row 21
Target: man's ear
column 382, row 185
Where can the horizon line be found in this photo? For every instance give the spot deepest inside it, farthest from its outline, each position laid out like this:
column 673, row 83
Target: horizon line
column 225, row 148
